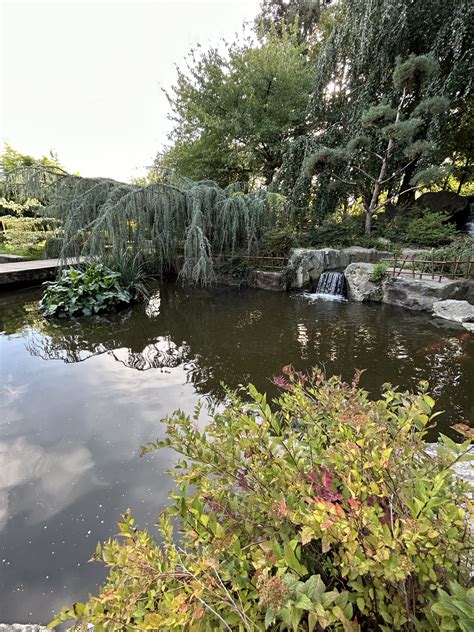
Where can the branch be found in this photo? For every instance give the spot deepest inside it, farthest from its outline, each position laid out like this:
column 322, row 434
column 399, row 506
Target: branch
column 396, row 196
column 399, row 171
column 352, row 184
column 364, row 172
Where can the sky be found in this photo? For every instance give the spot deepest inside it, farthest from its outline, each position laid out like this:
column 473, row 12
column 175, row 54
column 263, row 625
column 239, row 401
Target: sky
column 85, row 79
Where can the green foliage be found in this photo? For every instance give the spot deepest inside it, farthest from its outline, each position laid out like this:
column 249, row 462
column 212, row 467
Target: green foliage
column 234, row 112
column 413, row 73
column 368, row 166
column 172, row 224
column 52, row 248
column 320, row 511
column 379, row 272
column 431, row 229
column 460, row 249
column 278, row 242
column 28, row 233
column 455, row 608
column 92, row 291
column 354, row 71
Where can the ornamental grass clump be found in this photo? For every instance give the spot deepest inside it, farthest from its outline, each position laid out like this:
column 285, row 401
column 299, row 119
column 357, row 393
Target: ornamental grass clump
column 321, row 510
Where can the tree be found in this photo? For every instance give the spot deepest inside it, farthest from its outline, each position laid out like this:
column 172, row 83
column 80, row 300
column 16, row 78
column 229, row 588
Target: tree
column 160, row 223
column 392, row 134
column 11, row 161
column 235, row 112
column 354, row 70
column 282, row 14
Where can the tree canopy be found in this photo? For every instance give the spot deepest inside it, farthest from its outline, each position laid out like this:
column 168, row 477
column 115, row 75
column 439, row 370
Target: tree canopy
column 235, row 111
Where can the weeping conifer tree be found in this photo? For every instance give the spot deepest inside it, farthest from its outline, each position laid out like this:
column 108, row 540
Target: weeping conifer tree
column 171, row 224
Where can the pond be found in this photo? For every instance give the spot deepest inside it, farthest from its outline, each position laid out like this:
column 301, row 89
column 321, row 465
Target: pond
column 78, row 399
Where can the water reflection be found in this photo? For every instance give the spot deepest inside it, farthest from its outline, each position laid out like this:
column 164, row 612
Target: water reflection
column 79, row 398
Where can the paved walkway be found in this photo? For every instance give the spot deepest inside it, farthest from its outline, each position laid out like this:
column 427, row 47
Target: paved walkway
column 26, row 271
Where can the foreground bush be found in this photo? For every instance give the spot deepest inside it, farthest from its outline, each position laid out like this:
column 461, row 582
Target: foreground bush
column 92, row 291
column 322, row 511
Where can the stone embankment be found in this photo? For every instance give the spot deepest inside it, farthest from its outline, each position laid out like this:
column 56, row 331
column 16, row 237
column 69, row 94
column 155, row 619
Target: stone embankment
column 450, row 299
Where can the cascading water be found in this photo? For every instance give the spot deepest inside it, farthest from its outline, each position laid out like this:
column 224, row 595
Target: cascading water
column 331, row 286
column 331, row 283
column 469, row 226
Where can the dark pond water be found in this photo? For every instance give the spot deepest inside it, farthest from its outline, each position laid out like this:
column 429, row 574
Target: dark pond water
column 77, row 401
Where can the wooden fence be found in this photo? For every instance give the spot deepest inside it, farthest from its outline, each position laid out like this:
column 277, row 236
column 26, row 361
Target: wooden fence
column 436, row 269
column 272, row 264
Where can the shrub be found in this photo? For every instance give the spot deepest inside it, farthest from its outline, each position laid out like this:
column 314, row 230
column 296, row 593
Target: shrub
column 52, row 248
column 322, row 511
column 460, row 249
column 278, row 242
column 92, row 291
column 379, row 272
column 431, row 229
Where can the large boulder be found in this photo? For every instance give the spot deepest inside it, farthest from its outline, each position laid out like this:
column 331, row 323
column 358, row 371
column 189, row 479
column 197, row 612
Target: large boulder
column 359, row 286
column 459, row 311
column 421, row 294
column 455, row 205
column 266, row 280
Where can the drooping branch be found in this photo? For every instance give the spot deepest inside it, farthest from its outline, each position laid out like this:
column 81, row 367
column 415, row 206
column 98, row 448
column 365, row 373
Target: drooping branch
column 173, row 224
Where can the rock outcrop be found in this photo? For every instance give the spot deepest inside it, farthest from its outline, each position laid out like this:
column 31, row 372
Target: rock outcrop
column 310, row 263
column 457, row 311
column 265, row 280
column 421, row 294
column 359, row 286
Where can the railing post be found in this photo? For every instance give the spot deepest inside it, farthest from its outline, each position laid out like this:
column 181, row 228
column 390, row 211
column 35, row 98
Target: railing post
column 456, row 263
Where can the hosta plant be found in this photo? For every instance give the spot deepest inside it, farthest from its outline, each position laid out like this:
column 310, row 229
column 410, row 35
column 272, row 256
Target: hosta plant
column 91, row 291
column 319, row 511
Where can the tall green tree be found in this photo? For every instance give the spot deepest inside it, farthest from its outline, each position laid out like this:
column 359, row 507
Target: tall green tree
column 282, row 14
column 236, row 111
column 393, row 134
column 354, row 70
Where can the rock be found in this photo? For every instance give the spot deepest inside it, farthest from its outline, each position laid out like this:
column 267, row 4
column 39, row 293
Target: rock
column 455, row 205
column 469, row 327
column 421, row 294
column 410, row 252
column 310, row 263
column 458, row 311
column 358, row 284
column 265, row 280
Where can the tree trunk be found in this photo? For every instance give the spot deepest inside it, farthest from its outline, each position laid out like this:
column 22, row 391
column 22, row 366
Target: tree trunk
column 368, row 223
column 407, row 198
column 382, row 174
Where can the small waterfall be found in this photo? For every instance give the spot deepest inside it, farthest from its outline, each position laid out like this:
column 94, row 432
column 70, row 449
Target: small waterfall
column 469, row 225
column 331, row 286
column 331, row 283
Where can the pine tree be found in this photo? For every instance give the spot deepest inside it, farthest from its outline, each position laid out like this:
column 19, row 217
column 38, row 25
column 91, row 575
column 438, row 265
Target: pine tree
column 392, row 133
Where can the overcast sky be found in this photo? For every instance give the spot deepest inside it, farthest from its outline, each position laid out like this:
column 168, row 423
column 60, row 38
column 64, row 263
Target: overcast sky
column 84, row 78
